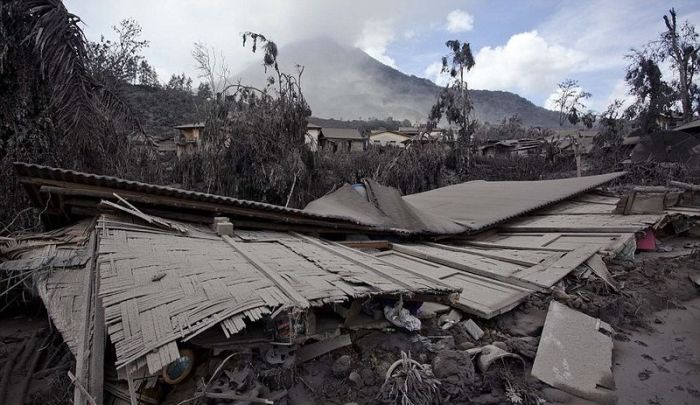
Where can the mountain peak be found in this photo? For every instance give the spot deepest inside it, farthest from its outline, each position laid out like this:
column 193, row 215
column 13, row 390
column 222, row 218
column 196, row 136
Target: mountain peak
column 344, row 82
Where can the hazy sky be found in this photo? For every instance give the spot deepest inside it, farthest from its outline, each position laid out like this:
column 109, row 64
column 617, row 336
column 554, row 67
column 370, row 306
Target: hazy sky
column 526, row 47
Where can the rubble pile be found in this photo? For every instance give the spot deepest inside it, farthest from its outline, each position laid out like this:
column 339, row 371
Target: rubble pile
column 157, row 295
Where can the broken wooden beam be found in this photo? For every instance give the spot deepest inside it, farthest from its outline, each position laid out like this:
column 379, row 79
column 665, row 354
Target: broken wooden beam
column 367, row 244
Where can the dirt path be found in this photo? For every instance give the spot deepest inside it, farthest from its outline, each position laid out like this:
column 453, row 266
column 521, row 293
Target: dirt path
column 663, row 366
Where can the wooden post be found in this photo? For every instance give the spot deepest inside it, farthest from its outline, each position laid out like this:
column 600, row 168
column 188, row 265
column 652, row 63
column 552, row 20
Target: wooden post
column 83, row 347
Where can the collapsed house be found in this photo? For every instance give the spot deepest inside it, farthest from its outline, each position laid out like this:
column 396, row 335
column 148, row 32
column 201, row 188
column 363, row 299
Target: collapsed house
column 154, row 270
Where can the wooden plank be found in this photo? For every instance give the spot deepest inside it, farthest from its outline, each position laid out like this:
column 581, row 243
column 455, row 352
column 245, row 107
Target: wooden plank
column 334, row 249
column 469, row 269
column 481, row 296
column 97, row 351
column 583, row 223
column 82, row 367
column 491, row 245
column 132, row 387
column 484, row 253
column 549, row 238
column 313, row 350
column 367, row 244
column 81, row 388
column 546, row 275
column 686, row 186
column 596, row 264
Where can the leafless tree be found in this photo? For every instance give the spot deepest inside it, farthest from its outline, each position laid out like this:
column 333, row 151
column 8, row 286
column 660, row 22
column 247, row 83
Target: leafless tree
column 680, row 45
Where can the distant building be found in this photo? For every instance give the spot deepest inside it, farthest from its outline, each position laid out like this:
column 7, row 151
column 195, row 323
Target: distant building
column 409, row 130
column 312, row 133
column 513, row 147
column 165, row 143
column 669, row 121
column 388, row 138
column 585, row 139
column 421, row 137
column 189, row 138
column 341, row 139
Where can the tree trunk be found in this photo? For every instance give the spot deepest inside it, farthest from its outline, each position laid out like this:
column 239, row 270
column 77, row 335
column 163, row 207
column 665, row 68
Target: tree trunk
column 465, row 125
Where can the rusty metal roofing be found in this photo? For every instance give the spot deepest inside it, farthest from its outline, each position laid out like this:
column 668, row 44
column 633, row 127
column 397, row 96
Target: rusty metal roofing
column 482, row 204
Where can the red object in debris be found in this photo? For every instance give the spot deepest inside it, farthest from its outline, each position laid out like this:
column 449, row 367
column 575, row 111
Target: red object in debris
column 646, row 241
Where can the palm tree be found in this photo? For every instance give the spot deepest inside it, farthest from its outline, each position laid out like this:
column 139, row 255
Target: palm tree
column 52, row 109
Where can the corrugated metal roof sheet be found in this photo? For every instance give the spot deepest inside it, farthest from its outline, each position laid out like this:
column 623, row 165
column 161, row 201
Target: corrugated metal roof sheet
column 481, row 204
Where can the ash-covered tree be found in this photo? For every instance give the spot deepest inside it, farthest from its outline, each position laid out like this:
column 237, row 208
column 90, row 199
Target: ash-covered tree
column 679, row 44
column 253, row 140
column 180, row 82
column 652, row 95
column 570, row 104
column 453, row 103
column 53, row 109
column 121, row 60
column 204, row 91
column 608, row 150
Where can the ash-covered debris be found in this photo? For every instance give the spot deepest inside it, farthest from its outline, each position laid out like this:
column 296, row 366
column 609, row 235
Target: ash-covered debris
column 164, row 310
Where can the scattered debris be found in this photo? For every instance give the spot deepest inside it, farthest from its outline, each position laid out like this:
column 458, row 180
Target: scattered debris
column 456, row 372
column 575, row 354
column 473, row 329
column 222, row 226
column 174, row 289
column 311, row 351
column 449, row 319
column 596, row 264
column 492, row 355
column 401, row 317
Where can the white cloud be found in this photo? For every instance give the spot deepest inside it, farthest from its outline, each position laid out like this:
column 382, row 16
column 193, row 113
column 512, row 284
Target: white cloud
column 619, row 92
column 527, row 62
column 606, row 31
column 459, row 21
column 434, row 73
column 220, row 23
column 375, row 38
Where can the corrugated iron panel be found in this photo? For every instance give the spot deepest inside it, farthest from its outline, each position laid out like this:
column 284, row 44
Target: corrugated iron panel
column 483, row 204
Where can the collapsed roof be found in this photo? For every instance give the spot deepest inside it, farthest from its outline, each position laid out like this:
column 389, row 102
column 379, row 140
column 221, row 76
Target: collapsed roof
column 443, row 211
column 162, row 286
column 384, row 208
column 162, row 282
column 668, row 146
column 73, row 195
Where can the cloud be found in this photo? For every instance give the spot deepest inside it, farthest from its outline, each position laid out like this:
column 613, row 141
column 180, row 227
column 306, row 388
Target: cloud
column 620, row 91
column 434, row 73
column 606, row 31
column 459, row 21
column 527, row 62
column 220, row 23
column 375, row 38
